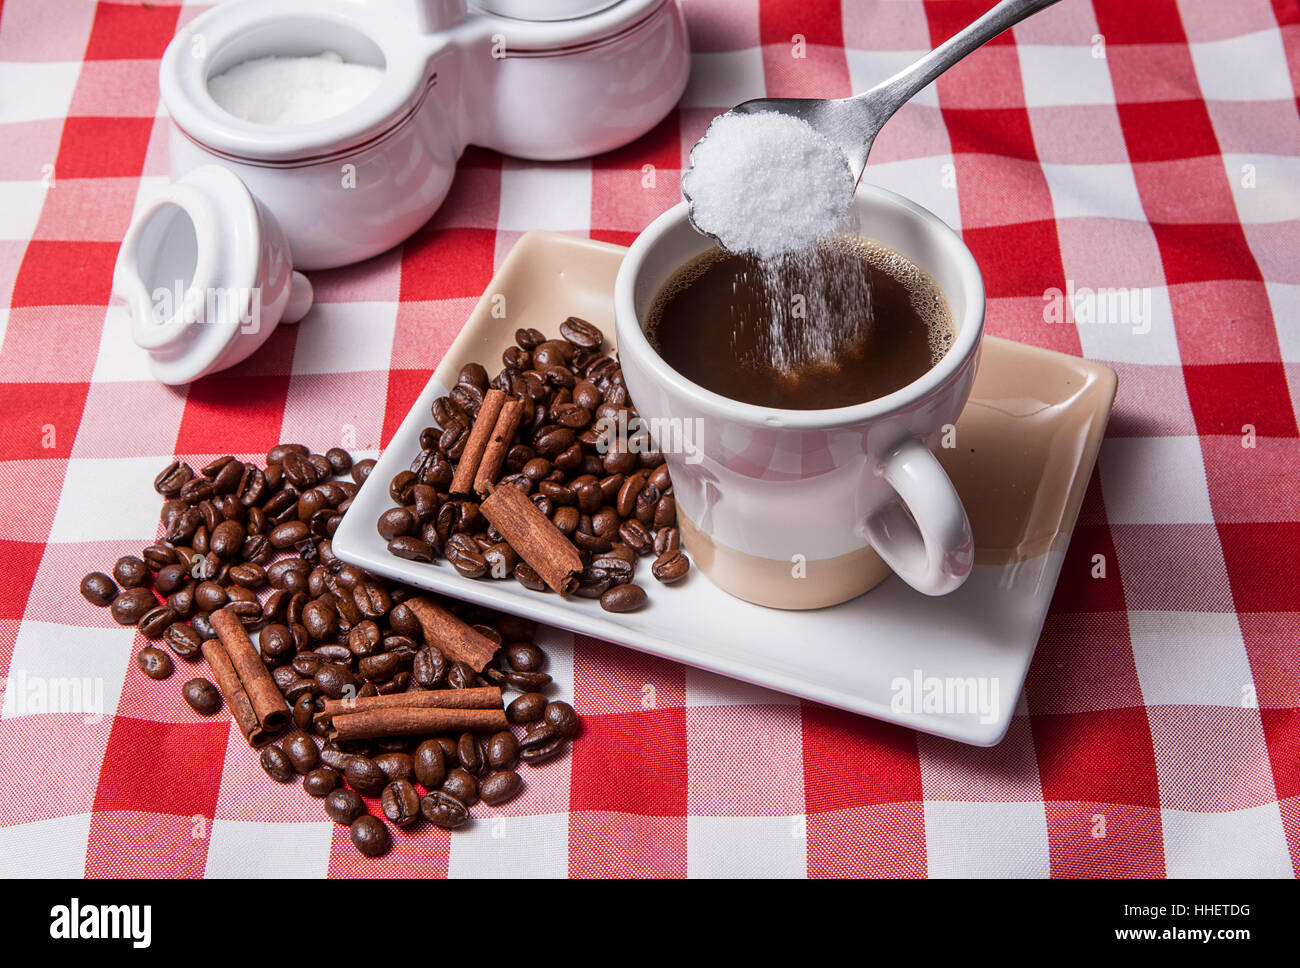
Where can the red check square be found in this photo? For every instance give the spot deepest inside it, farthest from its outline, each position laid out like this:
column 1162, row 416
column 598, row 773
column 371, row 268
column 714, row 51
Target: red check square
column 440, row 263
column 1197, row 253
column 1238, row 398
column 1140, row 22
column 1097, row 757
column 233, row 415
column 1262, row 565
column 1167, row 130
column 103, row 147
column 152, row 767
column 1018, row 260
column 65, row 274
column 851, row 761
column 22, row 559
column 129, row 31
column 632, row 763
column 998, row 131
column 41, row 419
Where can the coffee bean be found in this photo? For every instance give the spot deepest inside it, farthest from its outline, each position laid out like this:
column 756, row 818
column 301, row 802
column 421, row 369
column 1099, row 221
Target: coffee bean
column 172, row 478
column 623, row 598
column 443, row 810
column 370, row 836
column 155, row 622
column 131, row 605
column 202, row 696
column 671, row 566
column 460, row 783
column 227, row 539
column 527, row 708
column 430, row 764
column 361, row 470
column 497, row 788
column 528, row 682
column 524, row 657
column 429, row 668
column 561, row 717
column 372, row 599
column 209, row 596
column 400, row 802
column 98, row 589
column 542, row 742
column 130, row 572
column 334, row 681
column 463, row 553
column 320, row 782
column 302, row 752
column 344, row 805
column 581, row 333
column 277, row 764
column 468, row 753
column 502, row 750
column 667, row 539
column 397, row 523
column 461, row 676
column 411, row 549
column 365, row 776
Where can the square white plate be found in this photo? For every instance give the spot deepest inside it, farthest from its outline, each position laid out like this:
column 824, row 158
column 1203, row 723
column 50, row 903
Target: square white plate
column 950, row 666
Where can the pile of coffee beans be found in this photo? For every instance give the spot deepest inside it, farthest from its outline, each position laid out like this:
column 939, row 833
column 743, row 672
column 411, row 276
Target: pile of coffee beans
column 257, row 540
column 579, row 454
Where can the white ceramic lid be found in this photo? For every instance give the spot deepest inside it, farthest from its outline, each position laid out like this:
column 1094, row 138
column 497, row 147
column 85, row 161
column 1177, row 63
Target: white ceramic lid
column 206, row 275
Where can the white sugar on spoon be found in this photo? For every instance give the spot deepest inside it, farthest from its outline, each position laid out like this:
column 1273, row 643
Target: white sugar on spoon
column 767, row 184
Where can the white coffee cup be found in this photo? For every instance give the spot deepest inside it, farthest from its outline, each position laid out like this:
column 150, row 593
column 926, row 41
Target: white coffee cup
column 807, row 508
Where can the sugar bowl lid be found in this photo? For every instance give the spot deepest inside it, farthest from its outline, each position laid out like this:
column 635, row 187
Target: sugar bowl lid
column 206, row 275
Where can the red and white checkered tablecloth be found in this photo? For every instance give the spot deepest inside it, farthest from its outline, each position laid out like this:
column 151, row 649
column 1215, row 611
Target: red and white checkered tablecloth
column 1150, row 145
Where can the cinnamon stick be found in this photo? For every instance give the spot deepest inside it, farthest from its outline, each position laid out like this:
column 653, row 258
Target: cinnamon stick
column 480, row 697
column 268, row 702
column 489, row 469
column 454, row 638
column 537, row 540
column 414, row 721
column 232, row 690
column 485, row 421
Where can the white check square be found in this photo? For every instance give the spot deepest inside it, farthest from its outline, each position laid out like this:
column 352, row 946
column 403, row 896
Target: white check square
column 505, row 846
column 43, row 849
column 1190, row 658
column 970, row 839
column 35, row 92
column 1251, row 67
column 1061, row 75
column 1094, row 191
column 1154, row 480
column 867, row 68
column 346, row 337
column 725, row 78
column 239, row 848
column 20, row 209
column 101, row 500
column 1235, row 843
column 555, row 197
column 56, row 669
column 748, row 847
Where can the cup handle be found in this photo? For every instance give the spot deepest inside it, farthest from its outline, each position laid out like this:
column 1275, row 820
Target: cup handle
column 924, row 536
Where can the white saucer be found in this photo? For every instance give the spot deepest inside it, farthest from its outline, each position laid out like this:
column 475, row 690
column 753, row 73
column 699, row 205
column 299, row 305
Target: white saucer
column 951, row 666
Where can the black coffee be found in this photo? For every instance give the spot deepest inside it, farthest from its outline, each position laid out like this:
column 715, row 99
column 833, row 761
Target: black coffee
column 843, row 323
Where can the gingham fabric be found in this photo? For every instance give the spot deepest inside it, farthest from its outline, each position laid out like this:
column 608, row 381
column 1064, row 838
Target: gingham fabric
column 1150, row 146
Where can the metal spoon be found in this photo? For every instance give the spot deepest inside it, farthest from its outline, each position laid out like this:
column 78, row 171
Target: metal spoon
column 852, row 123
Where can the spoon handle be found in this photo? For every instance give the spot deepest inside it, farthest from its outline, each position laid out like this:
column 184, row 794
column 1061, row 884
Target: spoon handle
column 889, row 95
